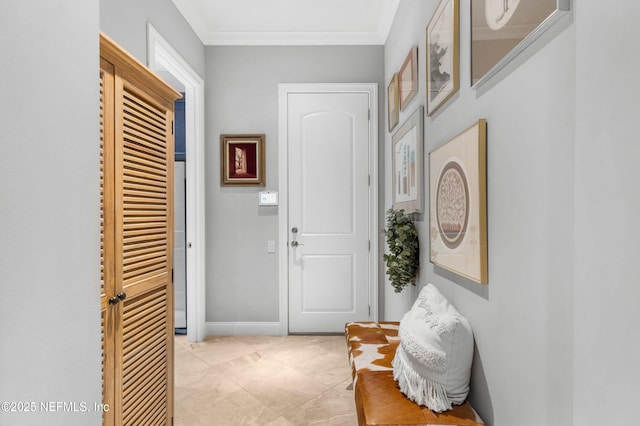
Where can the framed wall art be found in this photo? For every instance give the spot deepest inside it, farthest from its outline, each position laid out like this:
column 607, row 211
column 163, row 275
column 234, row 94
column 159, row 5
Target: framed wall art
column 393, row 108
column 502, row 29
column 242, row 160
column 407, row 164
column 458, row 204
column 443, row 54
column 408, row 78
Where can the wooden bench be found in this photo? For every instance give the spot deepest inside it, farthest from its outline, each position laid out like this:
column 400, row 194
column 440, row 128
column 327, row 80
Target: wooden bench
column 372, row 346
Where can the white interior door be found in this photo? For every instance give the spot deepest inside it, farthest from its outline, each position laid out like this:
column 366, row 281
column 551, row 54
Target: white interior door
column 328, row 210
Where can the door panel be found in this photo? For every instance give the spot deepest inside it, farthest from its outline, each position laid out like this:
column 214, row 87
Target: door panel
column 328, row 284
column 328, row 136
column 326, row 156
column 145, row 364
column 144, row 242
column 144, row 187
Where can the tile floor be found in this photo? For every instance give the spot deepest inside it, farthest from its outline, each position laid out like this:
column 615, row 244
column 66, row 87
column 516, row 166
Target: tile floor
column 264, row 380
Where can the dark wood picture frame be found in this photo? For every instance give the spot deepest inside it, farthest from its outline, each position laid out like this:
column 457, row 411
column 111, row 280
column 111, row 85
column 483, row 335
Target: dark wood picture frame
column 242, row 160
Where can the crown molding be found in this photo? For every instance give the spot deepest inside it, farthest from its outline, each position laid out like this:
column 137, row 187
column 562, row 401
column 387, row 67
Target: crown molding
column 284, row 38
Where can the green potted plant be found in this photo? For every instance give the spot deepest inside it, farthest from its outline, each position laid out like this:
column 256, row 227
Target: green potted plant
column 403, row 260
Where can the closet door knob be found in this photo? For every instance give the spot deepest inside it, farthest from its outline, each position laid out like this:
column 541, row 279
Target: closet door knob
column 114, row 301
column 121, row 296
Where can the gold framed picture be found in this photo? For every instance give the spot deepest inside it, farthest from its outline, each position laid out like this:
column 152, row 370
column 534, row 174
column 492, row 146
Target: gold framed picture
column 408, row 78
column 407, row 164
column 458, row 204
column 443, row 54
column 242, row 160
column 393, row 109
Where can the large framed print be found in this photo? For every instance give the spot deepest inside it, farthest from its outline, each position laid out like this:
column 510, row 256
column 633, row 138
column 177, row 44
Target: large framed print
column 242, row 159
column 502, row 29
column 407, row 164
column 443, row 54
column 458, row 204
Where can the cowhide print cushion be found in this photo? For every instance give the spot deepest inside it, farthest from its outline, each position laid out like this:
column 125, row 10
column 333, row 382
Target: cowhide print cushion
column 372, row 345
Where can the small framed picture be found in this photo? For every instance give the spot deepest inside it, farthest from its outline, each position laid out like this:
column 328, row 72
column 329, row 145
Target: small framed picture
column 407, row 164
column 443, row 56
column 393, row 109
column 242, row 160
column 408, row 78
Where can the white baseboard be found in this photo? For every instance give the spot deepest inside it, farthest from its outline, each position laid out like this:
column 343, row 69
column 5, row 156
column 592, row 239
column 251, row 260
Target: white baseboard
column 243, row 329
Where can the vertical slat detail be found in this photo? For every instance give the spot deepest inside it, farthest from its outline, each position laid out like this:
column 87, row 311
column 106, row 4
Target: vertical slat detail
column 144, row 189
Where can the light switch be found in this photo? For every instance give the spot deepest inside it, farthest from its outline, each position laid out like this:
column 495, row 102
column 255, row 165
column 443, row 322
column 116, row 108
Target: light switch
column 271, row 246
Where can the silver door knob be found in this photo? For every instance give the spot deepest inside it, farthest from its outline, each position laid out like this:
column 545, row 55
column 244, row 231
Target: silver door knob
column 295, row 244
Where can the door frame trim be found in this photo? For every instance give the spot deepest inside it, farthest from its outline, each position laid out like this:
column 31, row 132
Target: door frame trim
column 161, row 56
column 284, row 89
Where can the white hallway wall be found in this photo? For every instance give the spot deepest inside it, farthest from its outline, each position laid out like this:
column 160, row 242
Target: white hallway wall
column 556, row 325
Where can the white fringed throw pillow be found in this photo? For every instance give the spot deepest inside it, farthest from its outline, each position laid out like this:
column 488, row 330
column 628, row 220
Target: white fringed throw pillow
column 432, row 364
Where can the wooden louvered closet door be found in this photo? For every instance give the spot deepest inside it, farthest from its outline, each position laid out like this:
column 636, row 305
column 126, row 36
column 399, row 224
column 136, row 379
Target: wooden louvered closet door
column 137, row 240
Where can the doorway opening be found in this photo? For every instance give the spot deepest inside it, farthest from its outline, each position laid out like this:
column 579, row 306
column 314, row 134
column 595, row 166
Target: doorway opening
column 179, row 220
column 167, row 63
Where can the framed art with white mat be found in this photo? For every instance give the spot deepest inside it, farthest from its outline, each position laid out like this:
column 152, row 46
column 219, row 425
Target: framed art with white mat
column 443, row 54
column 407, row 164
column 458, row 204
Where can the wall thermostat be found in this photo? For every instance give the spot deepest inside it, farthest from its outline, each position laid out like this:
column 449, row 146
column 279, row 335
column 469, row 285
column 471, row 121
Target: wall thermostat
column 268, row 198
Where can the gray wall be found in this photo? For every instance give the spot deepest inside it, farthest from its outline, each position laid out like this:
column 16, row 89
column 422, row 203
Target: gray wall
column 49, row 194
column 555, row 326
column 523, row 319
column 125, row 21
column 242, row 97
column 607, row 208
column 49, row 209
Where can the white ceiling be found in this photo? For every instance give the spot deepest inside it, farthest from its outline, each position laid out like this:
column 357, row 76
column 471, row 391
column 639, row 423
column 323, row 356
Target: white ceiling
column 289, row 22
